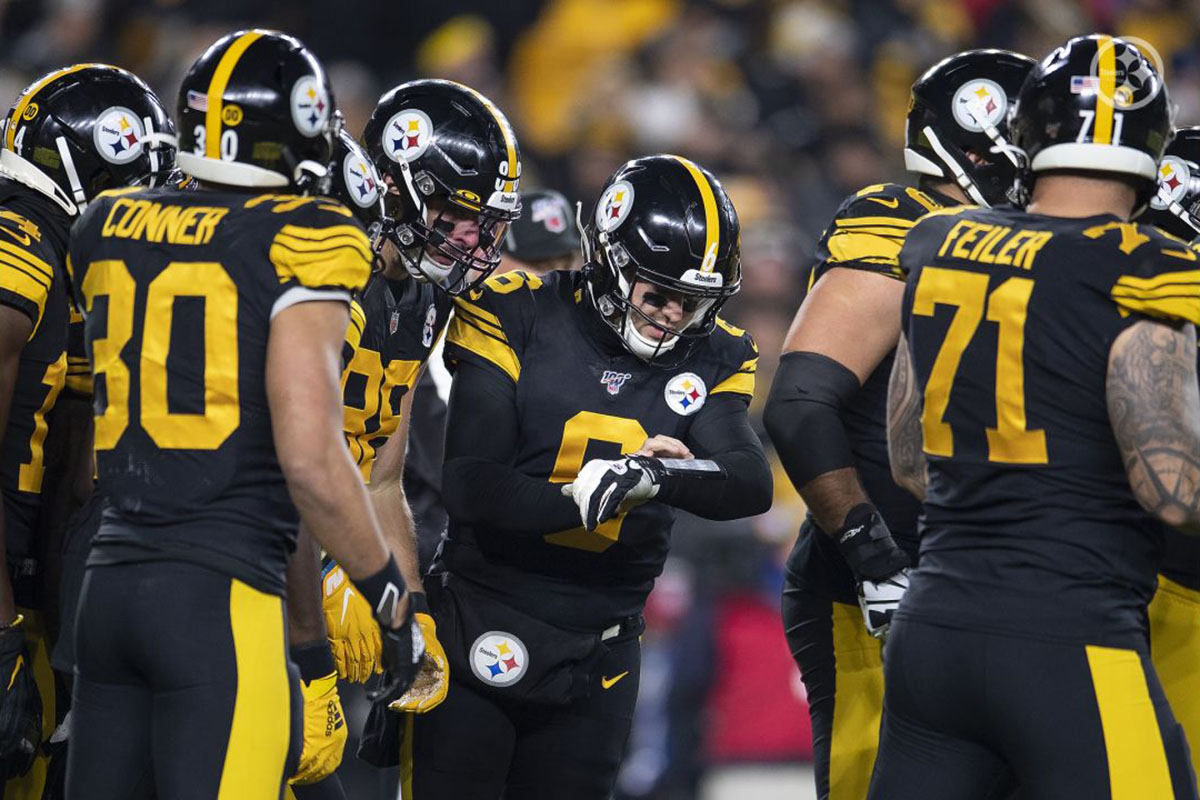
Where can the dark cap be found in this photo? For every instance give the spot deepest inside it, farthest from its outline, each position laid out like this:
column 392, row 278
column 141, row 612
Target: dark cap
column 546, row 228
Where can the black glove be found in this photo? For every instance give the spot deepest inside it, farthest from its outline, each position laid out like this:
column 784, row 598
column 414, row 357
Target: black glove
column 403, row 650
column 20, row 705
column 879, row 565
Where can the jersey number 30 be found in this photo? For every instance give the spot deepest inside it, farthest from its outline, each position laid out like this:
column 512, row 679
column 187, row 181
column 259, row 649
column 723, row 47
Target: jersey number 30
column 168, row 430
column 1010, row 442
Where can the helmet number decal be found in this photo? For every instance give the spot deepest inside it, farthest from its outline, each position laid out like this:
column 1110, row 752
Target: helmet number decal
column 1089, row 117
column 199, row 135
column 20, row 138
column 229, row 145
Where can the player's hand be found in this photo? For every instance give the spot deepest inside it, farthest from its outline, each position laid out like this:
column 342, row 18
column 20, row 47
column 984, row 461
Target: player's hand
column 603, row 489
column 663, row 447
column 20, row 705
column 879, row 601
column 324, row 730
column 402, row 656
column 433, row 677
column 352, row 630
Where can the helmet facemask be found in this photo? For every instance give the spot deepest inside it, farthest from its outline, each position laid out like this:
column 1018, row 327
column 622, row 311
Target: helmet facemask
column 425, row 240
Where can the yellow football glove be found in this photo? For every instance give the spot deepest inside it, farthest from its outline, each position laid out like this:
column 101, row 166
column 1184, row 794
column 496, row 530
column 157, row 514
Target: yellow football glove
column 433, row 678
column 324, row 724
column 351, row 627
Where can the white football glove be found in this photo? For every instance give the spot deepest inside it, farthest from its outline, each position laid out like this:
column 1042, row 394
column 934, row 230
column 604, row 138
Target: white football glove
column 879, row 601
column 603, row 489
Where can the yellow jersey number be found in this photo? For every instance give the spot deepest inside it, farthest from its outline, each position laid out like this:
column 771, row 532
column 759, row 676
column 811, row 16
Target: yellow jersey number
column 1010, row 442
column 580, row 431
column 167, row 429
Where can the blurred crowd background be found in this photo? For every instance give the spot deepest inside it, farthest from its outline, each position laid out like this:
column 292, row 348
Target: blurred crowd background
column 791, row 103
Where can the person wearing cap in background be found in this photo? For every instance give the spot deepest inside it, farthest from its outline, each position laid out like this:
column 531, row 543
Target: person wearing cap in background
column 544, row 238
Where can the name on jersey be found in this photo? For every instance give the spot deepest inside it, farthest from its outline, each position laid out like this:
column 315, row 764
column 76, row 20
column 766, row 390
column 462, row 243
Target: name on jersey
column 130, row 218
column 994, row 244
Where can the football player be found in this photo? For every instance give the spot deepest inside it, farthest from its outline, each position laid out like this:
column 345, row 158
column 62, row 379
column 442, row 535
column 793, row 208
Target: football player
column 215, row 322
column 1175, row 610
column 545, row 238
column 578, row 403
column 826, row 410
column 70, row 135
column 1044, row 401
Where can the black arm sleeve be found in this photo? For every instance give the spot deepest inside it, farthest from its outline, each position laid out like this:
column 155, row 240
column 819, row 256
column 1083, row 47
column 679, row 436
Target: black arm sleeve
column 479, row 484
column 804, row 415
column 723, row 434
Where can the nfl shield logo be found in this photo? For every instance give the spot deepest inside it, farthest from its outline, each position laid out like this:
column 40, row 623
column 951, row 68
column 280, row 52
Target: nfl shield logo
column 614, row 380
column 394, row 322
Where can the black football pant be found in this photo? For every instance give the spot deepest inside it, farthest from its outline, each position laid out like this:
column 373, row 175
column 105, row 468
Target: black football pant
column 182, row 680
column 474, row 747
column 842, row 671
column 1071, row 722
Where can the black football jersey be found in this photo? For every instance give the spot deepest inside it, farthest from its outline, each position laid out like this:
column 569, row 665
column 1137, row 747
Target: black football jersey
column 578, row 400
column 1030, row 526
column 33, row 249
column 394, row 327
column 179, row 289
column 866, row 233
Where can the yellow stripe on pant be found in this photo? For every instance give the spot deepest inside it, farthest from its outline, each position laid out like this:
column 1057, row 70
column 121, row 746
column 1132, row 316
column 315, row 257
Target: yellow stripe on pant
column 406, row 759
column 29, row 786
column 260, row 733
column 1137, row 760
column 1175, row 650
column 857, row 705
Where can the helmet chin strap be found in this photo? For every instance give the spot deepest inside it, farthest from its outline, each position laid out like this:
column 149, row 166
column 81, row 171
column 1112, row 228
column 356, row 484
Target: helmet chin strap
column 72, row 174
column 15, row 167
column 960, row 176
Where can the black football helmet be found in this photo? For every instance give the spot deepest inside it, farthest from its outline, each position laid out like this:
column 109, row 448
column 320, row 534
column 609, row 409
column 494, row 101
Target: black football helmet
column 256, row 111
column 958, row 125
column 80, row 130
column 1176, row 206
column 450, row 155
column 1096, row 103
column 356, row 182
column 667, row 221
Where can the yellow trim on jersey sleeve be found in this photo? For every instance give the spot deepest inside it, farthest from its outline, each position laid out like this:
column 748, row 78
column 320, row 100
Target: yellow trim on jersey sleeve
column 479, row 331
column 1137, row 760
column 216, row 91
column 1171, row 295
column 712, row 222
column 358, row 322
column 339, row 255
column 25, row 275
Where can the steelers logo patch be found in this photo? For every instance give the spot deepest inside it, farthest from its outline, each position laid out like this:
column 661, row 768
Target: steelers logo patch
column 685, row 393
column 499, row 658
column 310, row 106
column 118, row 135
column 361, row 182
column 979, row 102
column 1173, row 179
column 407, row 135
column 615, row 205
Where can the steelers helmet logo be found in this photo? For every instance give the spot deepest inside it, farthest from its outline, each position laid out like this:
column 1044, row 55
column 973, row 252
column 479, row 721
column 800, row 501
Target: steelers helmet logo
column 1134, row 67
column 615, row 205
column 310, row 106
column 499, row 658
column 118, row 135
column 1173, row 179
column 407, row 135
column 978, row 103
column 362, row 184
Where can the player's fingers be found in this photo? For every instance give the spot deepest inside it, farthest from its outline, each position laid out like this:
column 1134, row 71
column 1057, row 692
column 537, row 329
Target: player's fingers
column 660, row 446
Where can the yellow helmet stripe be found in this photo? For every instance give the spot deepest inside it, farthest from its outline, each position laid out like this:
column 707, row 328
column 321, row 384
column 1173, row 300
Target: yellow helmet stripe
column 216, row 91
column 27, row 98
column 712, row 223
column 1102, row 132
column 510, row 140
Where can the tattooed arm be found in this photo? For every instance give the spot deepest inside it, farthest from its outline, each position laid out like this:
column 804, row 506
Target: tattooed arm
column 904, row 434
column 1154, row 408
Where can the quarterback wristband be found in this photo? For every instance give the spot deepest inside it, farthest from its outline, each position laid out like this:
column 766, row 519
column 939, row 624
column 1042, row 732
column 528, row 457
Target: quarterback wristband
column 867, row 545
column 314, row 660
column 383, row 591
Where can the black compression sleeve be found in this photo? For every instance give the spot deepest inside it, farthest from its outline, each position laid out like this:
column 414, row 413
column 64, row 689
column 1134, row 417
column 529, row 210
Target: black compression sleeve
column 804, row 415
column 479, row 483
column 722, row 432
